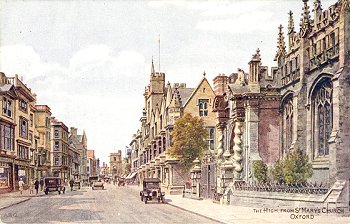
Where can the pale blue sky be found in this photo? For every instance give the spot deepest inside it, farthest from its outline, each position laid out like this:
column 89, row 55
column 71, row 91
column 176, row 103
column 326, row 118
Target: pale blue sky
column 90, row 60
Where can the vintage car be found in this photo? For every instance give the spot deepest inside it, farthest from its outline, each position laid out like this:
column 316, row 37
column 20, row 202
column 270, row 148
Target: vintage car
column 54, row 184
column 152, row 191
column 77, row 184
column 92, row 179
column 97, row 184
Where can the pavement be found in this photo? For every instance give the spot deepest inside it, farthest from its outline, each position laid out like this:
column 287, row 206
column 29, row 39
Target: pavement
column 239, row 214
column 214, row 211
column 14, row 198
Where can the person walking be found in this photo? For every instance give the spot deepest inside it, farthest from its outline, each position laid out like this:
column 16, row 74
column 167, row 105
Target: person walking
column 71, row 183
column 20, row 185
column 41, row 184
column 31, row 183
column 36, row 184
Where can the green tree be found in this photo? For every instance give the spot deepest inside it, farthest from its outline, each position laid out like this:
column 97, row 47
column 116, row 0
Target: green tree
column 297, row 168
column 260, row 171
column 189, row 140
column 294, row 169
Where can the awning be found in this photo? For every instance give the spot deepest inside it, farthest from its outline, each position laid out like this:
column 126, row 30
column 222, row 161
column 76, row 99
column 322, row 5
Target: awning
column 132, row 175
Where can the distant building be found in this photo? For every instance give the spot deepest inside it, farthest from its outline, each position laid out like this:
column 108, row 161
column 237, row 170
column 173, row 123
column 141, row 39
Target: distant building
column 59, row 149
column 80, row 143
column 115, row 164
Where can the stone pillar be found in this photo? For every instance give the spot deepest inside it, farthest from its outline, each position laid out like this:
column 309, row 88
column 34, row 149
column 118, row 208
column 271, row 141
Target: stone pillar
column 237, row 149
column 220, row 138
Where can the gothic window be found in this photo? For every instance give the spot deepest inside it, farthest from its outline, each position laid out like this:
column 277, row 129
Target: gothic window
column 287, row 124
column 322, row 118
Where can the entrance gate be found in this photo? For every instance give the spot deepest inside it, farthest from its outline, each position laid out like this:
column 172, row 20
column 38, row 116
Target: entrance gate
column 208, row 177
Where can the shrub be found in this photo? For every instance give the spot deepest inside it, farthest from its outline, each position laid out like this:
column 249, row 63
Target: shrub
column 260, row 171
column 294, row 169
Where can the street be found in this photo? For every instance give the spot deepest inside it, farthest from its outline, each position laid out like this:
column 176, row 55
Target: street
column 112, row 205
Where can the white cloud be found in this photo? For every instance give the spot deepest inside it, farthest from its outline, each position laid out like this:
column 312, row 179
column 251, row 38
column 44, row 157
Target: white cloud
column 89, row 93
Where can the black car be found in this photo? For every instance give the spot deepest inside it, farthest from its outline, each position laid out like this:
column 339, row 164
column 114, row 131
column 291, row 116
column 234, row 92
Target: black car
column 152, row 191
column 54, row 184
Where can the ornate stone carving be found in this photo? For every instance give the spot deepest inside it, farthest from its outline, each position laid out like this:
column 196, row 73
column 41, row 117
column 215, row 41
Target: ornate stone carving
column 237, row 149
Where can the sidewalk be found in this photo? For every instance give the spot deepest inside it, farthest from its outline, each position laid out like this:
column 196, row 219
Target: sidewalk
column 13, row 198
column 240, row 214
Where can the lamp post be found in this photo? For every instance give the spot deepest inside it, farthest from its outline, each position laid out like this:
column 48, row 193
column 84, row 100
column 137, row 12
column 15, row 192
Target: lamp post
column 195, row 177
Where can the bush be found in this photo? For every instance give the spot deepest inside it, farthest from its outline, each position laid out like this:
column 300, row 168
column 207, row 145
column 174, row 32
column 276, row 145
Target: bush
column 277, row 172
column 294, row 169
column 260, row 171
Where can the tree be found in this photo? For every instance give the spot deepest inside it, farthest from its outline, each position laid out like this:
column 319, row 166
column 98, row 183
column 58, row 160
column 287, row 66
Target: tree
column 189, row 140
column 260, row 171
column 297, row 168
column 294, row 169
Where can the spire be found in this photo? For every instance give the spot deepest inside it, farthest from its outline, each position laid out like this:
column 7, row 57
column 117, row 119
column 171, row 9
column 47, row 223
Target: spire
column 305, row 24
column 291, row 23
column 152, row 68
column 281, row 46
column 317, row 11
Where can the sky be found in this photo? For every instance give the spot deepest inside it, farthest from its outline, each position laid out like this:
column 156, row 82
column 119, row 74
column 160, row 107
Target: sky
column 90, row 61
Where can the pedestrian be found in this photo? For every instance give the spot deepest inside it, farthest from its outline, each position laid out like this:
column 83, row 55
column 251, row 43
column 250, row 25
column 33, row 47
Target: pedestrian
column 41, row 184
column 71, row 183
column 20, row 185
column 36, row 184
column 31, row 183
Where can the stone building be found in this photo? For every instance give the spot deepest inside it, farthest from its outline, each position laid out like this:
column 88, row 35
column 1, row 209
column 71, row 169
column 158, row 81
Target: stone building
column 301, row 104
column 115, row 164
column 163, row 105
column 8, row 152
column 43, row 127
column 59, row 149
column 80, row 143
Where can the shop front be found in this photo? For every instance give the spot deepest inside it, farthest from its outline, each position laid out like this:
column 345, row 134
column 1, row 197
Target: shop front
column 6, row 180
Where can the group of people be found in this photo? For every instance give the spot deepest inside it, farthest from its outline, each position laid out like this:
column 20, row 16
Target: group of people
column 32, row 184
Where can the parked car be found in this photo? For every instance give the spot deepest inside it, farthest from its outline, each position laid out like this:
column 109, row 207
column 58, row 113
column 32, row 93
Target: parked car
column 54, row 184
column 97, row 184
column 77, row 184
column 152, row 191
column 92, row 179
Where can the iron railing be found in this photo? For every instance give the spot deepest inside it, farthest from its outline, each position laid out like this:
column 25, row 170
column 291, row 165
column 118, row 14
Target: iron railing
column 307, row 188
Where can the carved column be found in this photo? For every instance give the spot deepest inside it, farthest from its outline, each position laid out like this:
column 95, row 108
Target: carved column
column 237, row 149
column 220, row 145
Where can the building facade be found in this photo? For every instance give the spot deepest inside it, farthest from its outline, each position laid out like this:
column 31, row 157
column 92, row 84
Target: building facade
column 43, row 127
column 300, row 104
column 163, row 105
column 115, row 164
column 59, row 150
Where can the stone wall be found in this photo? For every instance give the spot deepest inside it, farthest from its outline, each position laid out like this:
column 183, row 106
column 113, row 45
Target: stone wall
column 269, row 131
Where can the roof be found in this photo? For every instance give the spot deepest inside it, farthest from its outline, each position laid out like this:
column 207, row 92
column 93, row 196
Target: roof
column 185, row 93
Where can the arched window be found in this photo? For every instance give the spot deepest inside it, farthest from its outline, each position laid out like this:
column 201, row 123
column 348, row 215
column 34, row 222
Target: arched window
column 322, row 118
column 287, row 131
